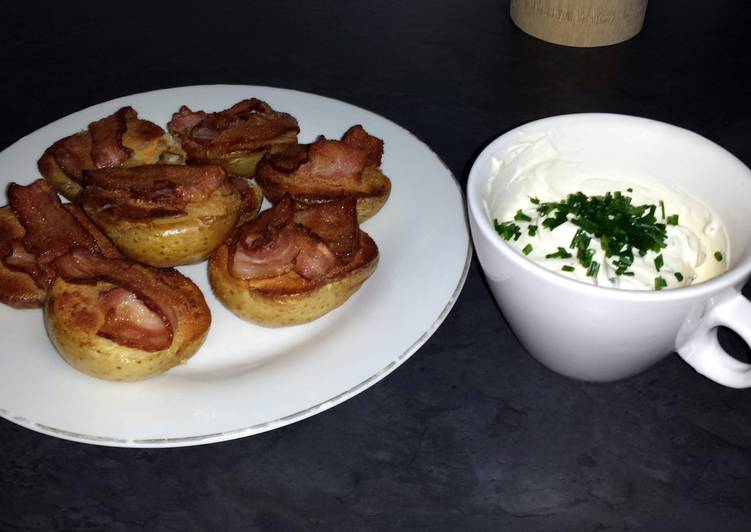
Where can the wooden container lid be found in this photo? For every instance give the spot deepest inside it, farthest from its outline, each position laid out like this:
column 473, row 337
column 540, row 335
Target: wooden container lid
column 583, row 23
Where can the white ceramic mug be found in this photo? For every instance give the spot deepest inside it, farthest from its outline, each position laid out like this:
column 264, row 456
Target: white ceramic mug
column 604, row 334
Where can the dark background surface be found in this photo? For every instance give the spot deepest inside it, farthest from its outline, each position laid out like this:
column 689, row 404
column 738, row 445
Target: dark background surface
column 470, row 433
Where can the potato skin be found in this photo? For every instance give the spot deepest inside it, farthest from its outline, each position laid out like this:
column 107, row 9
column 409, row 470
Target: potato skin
column 174, row 240
column 72, row 320
column 244, row 163
column 289, row 299
column 241, row 165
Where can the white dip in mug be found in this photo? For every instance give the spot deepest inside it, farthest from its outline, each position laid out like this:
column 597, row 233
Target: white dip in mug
column 600, row 330
column 535, row 172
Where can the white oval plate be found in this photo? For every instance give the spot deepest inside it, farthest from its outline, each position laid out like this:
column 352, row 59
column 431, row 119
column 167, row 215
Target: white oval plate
column 248, row 379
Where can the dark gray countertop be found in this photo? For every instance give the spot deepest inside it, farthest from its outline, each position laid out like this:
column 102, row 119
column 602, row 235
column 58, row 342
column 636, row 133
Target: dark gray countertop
column 470, row 433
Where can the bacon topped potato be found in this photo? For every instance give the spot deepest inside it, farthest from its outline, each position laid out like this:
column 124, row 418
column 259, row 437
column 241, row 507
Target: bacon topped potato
column 292, row 266
column 235, row 138
column 328, row 169
column 166, row 215
column 35, row 228
column 120, row 139
column 117, row 319
column 108, row 316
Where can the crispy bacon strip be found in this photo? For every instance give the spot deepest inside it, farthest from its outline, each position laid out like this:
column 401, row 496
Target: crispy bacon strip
column 107, row 149
column 128, row 321
column 50, row 231
column 73, row 154
column 152, row 190
column 18, row 258
column 101, row 145
column 260, row 248
column 334, row 161
column 184, row 120
column 264, row 255
column 17, row 289
column 105, row 245
column 147, row 305
column 281, row 240
column 332, row 164
column 250, row 198
column 247, row 126
column 315, row 258
column 335, row 222
column 287, row 160
column 356, row 136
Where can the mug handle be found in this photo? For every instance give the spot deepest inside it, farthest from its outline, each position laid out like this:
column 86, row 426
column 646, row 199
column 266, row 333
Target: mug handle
column 702, row 350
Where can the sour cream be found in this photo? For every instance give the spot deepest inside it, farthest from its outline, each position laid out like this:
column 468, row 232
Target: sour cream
column 536, row 169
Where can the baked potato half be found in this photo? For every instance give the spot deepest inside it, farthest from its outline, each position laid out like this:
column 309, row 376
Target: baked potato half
column 119, row 320
column 167, row 215
column 120, row 139
column 236, row 138
column 327, row 170
column 291, row 266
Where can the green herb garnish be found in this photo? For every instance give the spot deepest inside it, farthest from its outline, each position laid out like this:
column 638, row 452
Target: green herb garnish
column 660, row 283
column 629, row 189
column 580, row 242
column 623, row 229
column 718, row 256
column 659, row 262
column 560, row 254
column 672, row 219
column 507, row 230
column 679, row 276
column 527, row 249
column 567, row 268
column 594, row 267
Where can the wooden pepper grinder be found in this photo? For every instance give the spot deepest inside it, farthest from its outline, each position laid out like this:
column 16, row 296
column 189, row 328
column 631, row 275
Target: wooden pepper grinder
column 583, row 23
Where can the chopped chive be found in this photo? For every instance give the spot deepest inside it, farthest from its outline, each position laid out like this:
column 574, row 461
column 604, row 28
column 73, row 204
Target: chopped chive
column 527, row 249
column 673, row 219
column 718, row 256
column 594, row 267
column 630, row 274
column 621, row 228
column 679, row 276
column 659, row 263
column 629, row 189
column 507, row 230
column 660, row 283
column 581, row 240
column 567, row 268
column 560, row 254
